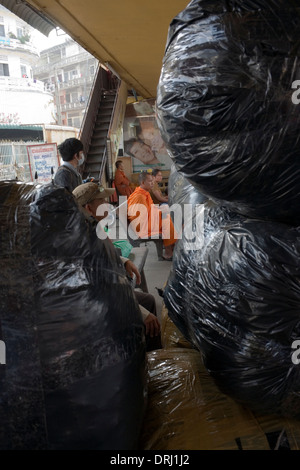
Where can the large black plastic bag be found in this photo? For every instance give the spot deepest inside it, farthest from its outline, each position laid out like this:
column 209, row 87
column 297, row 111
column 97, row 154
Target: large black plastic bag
column 75, row 375
column 181, row 191
column 224, row 103
column 182, row 194
column 237, row 300
column 183, row 198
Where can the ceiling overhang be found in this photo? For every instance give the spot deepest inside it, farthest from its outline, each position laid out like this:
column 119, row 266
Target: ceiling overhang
column 129, row 36
column 29, row 14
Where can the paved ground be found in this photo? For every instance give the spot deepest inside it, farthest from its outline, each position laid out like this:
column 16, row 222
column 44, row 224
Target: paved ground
column 156, row 273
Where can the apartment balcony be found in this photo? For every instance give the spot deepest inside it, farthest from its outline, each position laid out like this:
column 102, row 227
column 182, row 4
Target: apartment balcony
column 80, row 81
column 64, row 62
column 16, row 45
column 24, row 84
column 70, row 106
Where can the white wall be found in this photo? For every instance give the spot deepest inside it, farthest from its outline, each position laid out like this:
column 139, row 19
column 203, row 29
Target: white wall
column 72, row 49
column 12, row 21
column 32, row 107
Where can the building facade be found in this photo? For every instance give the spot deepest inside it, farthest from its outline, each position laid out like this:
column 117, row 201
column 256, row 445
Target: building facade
column 68, row 72
column 23, row 98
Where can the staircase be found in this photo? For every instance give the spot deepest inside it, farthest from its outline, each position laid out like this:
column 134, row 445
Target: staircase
column 96, row 154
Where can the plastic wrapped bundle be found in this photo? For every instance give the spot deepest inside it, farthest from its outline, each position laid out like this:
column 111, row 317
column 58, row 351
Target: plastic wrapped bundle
column 186, row 411
column 181, row 191
column 190, row 203
column 240, row 306
column 225, row 104
column 171, row 337
column 75, row 370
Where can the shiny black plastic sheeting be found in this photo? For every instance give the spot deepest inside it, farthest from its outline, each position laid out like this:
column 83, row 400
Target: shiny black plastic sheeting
column 75, row 371
column 237, row 300
column 225, row 103
column 181, row 191
column 184, row 195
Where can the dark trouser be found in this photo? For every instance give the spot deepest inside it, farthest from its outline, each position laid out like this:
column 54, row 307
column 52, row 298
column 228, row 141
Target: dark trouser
column 148, row 302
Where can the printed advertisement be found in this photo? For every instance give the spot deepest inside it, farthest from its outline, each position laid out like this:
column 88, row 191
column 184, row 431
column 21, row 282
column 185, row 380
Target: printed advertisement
column 41, row 159
column 142, row 138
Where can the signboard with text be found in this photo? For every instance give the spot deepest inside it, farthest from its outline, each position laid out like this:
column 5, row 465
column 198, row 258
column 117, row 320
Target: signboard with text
column 42, row 158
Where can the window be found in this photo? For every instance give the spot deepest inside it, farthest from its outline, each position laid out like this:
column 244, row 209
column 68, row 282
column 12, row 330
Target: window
column 20, row 32
column 76, row 122
column 2, row 30
column 4, row 71
column 23, row 70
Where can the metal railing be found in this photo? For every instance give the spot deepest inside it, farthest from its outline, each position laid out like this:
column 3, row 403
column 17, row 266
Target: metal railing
column 92, row 106
column 101, row 84
column 70, row 106
column 12, row 83
column 62, row 62
column 9, row 43
column 76, row 82
column 108, row 142
column 14, row 161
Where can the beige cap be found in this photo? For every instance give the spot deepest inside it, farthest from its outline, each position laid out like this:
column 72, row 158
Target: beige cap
column 87, row 192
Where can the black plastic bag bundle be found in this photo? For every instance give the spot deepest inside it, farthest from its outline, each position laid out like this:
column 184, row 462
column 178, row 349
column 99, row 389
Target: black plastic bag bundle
column 237, row 299
column 181, row 191
column 75, row 369
column 225, row 108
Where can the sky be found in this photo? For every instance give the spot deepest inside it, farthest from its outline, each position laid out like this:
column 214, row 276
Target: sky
column 57, row 36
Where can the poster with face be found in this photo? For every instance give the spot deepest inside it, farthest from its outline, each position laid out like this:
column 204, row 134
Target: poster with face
column 142, row 138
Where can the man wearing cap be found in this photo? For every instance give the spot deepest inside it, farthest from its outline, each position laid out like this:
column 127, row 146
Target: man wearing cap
column 89, row 196
column 67, row 176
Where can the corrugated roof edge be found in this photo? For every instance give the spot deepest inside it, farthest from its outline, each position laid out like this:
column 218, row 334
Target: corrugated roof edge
column 29, row 14
column 22, row 126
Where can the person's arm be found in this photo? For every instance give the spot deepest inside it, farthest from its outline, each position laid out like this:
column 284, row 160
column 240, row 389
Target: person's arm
column 131, row 269
column 139, row 217
column 125, row 180
column 151, row 322
column 158, row 194
column 63, row 177
column 121, row 179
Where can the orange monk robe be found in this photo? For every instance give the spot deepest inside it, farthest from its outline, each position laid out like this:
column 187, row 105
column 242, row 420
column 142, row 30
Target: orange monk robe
column 146, row 218
column 122, row 183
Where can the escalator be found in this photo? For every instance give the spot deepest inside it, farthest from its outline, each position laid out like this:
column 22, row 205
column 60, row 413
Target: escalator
column 96, row 127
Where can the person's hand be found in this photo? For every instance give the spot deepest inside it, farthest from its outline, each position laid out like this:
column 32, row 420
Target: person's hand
column 152, row 325
column 131, row 270
column 164, row 208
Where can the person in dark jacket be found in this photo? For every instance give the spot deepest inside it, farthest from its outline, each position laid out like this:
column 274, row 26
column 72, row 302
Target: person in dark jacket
column 67, row 176
column 89, row 196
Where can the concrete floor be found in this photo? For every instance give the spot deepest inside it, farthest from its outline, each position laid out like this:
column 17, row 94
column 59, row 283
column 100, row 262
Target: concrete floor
column 156, row 273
